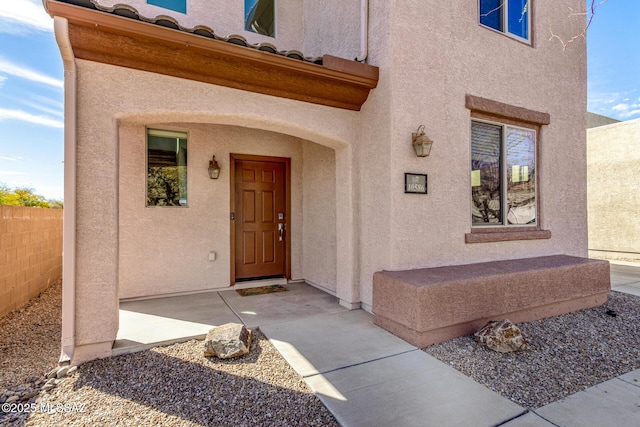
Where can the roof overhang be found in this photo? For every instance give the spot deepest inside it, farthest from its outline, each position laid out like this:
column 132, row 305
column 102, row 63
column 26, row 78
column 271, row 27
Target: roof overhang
column 111, row 39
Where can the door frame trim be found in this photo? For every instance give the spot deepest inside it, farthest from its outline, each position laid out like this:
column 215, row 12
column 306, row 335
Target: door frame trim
column 232, row 205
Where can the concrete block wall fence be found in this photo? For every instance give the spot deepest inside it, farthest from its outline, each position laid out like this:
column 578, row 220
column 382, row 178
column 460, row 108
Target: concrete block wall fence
column 30, row 253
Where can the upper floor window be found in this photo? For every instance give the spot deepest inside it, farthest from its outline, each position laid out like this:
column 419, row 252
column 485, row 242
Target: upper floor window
column 259, row 17
column 503, row 174
column 177, row 5
column 166, row 168
column 511, row 17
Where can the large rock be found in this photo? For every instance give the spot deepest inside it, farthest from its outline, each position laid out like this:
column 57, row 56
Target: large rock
column 501, row 336
column 227, row 341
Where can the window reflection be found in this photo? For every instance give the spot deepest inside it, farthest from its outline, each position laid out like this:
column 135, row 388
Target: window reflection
column 166, row 168
column 503, row 168
column 521, row 190
column 485, row 166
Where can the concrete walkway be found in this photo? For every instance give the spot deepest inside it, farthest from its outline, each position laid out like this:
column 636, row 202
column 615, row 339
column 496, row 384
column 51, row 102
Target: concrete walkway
column 367, row 376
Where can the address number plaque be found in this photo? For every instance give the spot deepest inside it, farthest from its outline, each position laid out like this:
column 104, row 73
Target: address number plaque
column 415, row 183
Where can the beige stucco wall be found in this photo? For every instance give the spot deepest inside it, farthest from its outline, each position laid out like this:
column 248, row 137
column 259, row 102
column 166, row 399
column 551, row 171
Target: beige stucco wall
column 319, row 215
column 613, row 162
column 165, row 250
column 427, row 67
column 332, row 27
column 227, row 17
column 373, row 151
column 110, row 206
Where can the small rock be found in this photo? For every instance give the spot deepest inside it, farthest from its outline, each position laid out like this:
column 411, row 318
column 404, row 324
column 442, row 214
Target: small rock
column 52, row 373
column 501, row 336
column 51, row 381
column 612, row 313
column 62, row 372
column 227, row 341
column 30, row 395
column 48, row 387
column 72, row 370
column 12, row 399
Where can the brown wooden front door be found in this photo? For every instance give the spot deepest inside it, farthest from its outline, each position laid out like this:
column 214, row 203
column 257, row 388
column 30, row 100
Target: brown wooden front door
column 259, row 198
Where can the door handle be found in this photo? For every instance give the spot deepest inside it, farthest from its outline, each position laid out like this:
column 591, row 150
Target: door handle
column 281, row 230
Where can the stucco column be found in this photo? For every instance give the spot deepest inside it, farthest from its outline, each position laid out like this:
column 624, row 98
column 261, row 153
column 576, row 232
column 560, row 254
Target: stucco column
column 96, row 222
column 347, row 288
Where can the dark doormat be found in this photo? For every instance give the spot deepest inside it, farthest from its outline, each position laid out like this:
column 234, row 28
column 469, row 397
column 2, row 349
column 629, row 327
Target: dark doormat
column 261, row 290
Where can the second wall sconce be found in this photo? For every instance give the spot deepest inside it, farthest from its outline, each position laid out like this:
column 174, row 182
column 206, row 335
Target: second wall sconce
column 421, row 142
column 214, row 168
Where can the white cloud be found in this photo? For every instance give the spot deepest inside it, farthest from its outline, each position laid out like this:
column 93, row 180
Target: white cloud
column 52, row 111
column 49, row 101
column 626, row 110
column 18, row 16
column 12, row 159
column 630, row 113
column 28, row 74
column 30, row 118
column 12, row 173
column 618, row 105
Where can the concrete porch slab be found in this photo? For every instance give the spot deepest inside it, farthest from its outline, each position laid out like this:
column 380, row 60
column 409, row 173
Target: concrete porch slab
column 300, row 301
column 612, row 403
column 410, row 389
column 351, row 337
column 148, row 323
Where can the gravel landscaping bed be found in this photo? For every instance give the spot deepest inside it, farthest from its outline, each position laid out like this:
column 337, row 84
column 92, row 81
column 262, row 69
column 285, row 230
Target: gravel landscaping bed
column 177, row 385
column 173, row 385
column 30, row 343
column 566, row 353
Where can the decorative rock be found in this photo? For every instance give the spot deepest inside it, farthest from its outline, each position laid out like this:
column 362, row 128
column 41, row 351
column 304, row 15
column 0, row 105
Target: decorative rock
column 12, row 399
column 62, row 372
column 30, row 395
column 48, row 387
column 501, row 336
column 52, row 373
column 72, row 370
column 227, row 341
column 51, row 381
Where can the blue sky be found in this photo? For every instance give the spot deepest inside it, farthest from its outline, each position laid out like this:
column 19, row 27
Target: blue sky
column 31, row 96
column 31, row 86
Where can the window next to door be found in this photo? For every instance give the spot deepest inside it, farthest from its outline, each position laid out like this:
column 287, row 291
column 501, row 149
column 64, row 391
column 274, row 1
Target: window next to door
column 166, row 168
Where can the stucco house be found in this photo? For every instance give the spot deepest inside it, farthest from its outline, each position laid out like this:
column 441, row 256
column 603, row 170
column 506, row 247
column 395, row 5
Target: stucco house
column 613, row 162
column 212, row 142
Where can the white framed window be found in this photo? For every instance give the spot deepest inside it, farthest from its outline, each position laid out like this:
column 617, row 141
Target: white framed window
column 260, row 17
column 503, row 175
column 511, row 17
column 166, row 168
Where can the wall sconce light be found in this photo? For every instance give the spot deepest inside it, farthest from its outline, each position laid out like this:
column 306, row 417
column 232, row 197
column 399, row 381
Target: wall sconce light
column 214, row 168
column 421, row 142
